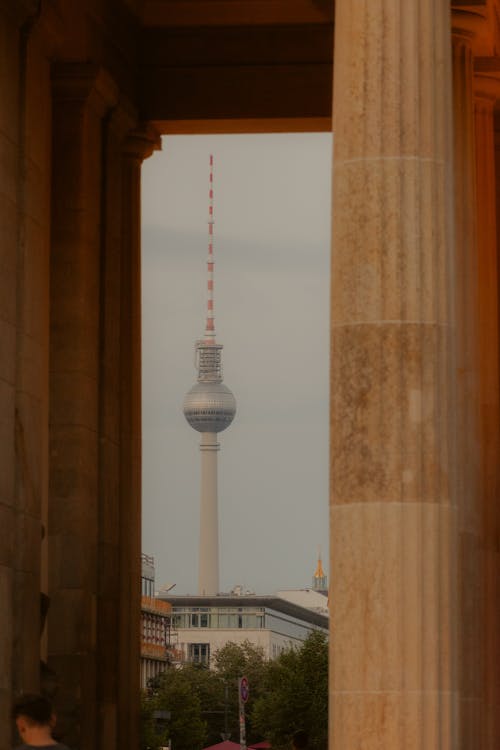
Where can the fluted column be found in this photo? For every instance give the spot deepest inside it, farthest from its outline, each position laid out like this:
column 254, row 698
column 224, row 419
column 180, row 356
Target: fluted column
column 95, row 488
column 393, row 517
column 82, row 95
column 487, row 91
column 139, row 145
column 467, row 411
column 24, row 233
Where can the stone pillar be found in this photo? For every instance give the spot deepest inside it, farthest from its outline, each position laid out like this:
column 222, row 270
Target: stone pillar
column 393, row 517
column 112, row 268
column 95, row 410
column 24, row 233
column 139, row 145
column 82, row 95
column 487, row 94
column 468, row 464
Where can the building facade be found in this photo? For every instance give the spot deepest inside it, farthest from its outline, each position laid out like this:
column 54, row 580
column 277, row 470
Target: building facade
column 158, row 637
column 157, row 648
column 205, row 624
column 86, row 90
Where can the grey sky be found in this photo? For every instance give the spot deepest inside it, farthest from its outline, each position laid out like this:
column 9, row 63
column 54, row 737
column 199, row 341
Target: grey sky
column 272, row 235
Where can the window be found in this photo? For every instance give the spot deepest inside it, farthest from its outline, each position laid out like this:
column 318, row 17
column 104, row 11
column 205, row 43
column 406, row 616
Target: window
column 199, row 653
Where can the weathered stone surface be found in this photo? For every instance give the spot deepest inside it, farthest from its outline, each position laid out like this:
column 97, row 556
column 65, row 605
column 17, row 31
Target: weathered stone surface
column 393, row 512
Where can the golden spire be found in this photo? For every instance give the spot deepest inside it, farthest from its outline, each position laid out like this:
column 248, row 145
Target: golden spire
column 320, row 573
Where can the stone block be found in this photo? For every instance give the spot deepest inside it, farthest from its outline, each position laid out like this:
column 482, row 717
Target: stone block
column 389, row 721
column 72, row 562
column 108, row 572
column 8, row 168
column 394, row 603
column 26, row 637
column 6, row 737
column 75, row 318
column 9, row 78
column 29, row 539
column 7, row 352
column 389, row 429
column 74, row 399
column 7, row 442
column 33, row 375
column 72, row 623
column 7, row 626
column 472, row 615
column 37, row 193
column 38, row 106
column 8, row 261
column 73, row 478
column 390, row 266
column 8, row 536
column 29, row 457
column 109, row 489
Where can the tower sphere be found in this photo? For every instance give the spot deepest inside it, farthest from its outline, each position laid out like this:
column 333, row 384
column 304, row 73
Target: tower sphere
column 209, row 407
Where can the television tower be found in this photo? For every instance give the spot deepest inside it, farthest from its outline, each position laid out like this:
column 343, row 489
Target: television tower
column 209, row 407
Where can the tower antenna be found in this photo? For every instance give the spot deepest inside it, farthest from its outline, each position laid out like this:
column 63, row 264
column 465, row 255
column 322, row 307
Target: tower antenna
column 210, row 323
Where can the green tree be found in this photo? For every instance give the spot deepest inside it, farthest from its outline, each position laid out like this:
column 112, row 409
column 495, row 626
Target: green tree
column 152, row 736
column 209, row 689
column 173, row 691
column 235, row 660
column 231, row 662
column 295, row 695
column 286, row 694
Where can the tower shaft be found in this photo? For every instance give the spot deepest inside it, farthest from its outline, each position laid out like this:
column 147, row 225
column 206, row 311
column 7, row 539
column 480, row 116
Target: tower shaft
column 208, row 564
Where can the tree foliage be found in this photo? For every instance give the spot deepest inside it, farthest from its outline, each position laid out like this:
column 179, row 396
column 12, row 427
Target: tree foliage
column 286, row 694
column 231, row 662
column 296, row 695
column 176, row 691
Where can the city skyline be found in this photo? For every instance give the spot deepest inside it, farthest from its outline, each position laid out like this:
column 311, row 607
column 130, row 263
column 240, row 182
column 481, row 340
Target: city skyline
column 272, row 311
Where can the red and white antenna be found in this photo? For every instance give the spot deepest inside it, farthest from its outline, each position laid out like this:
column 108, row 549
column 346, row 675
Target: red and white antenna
column 210, row 325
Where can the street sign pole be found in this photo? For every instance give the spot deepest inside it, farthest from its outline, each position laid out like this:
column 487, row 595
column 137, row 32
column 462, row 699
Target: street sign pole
column 243, row 693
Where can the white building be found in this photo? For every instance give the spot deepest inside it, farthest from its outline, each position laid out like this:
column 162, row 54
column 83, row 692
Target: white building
column 307, row 598
column 204, row 624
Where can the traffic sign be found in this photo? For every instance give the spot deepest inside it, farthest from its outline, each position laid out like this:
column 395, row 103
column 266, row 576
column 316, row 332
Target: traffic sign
column 244, row 689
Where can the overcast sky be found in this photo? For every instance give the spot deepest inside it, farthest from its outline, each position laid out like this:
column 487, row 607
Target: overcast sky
column 272, row 236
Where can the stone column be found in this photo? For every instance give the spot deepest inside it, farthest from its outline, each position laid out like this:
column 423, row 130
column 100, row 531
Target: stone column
column 139, row 145
column 95, row 409
column 82, row 96
column 24, row 233
column 115, row 127
column 487, row 94
column 393, row 518
column 468, row 465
